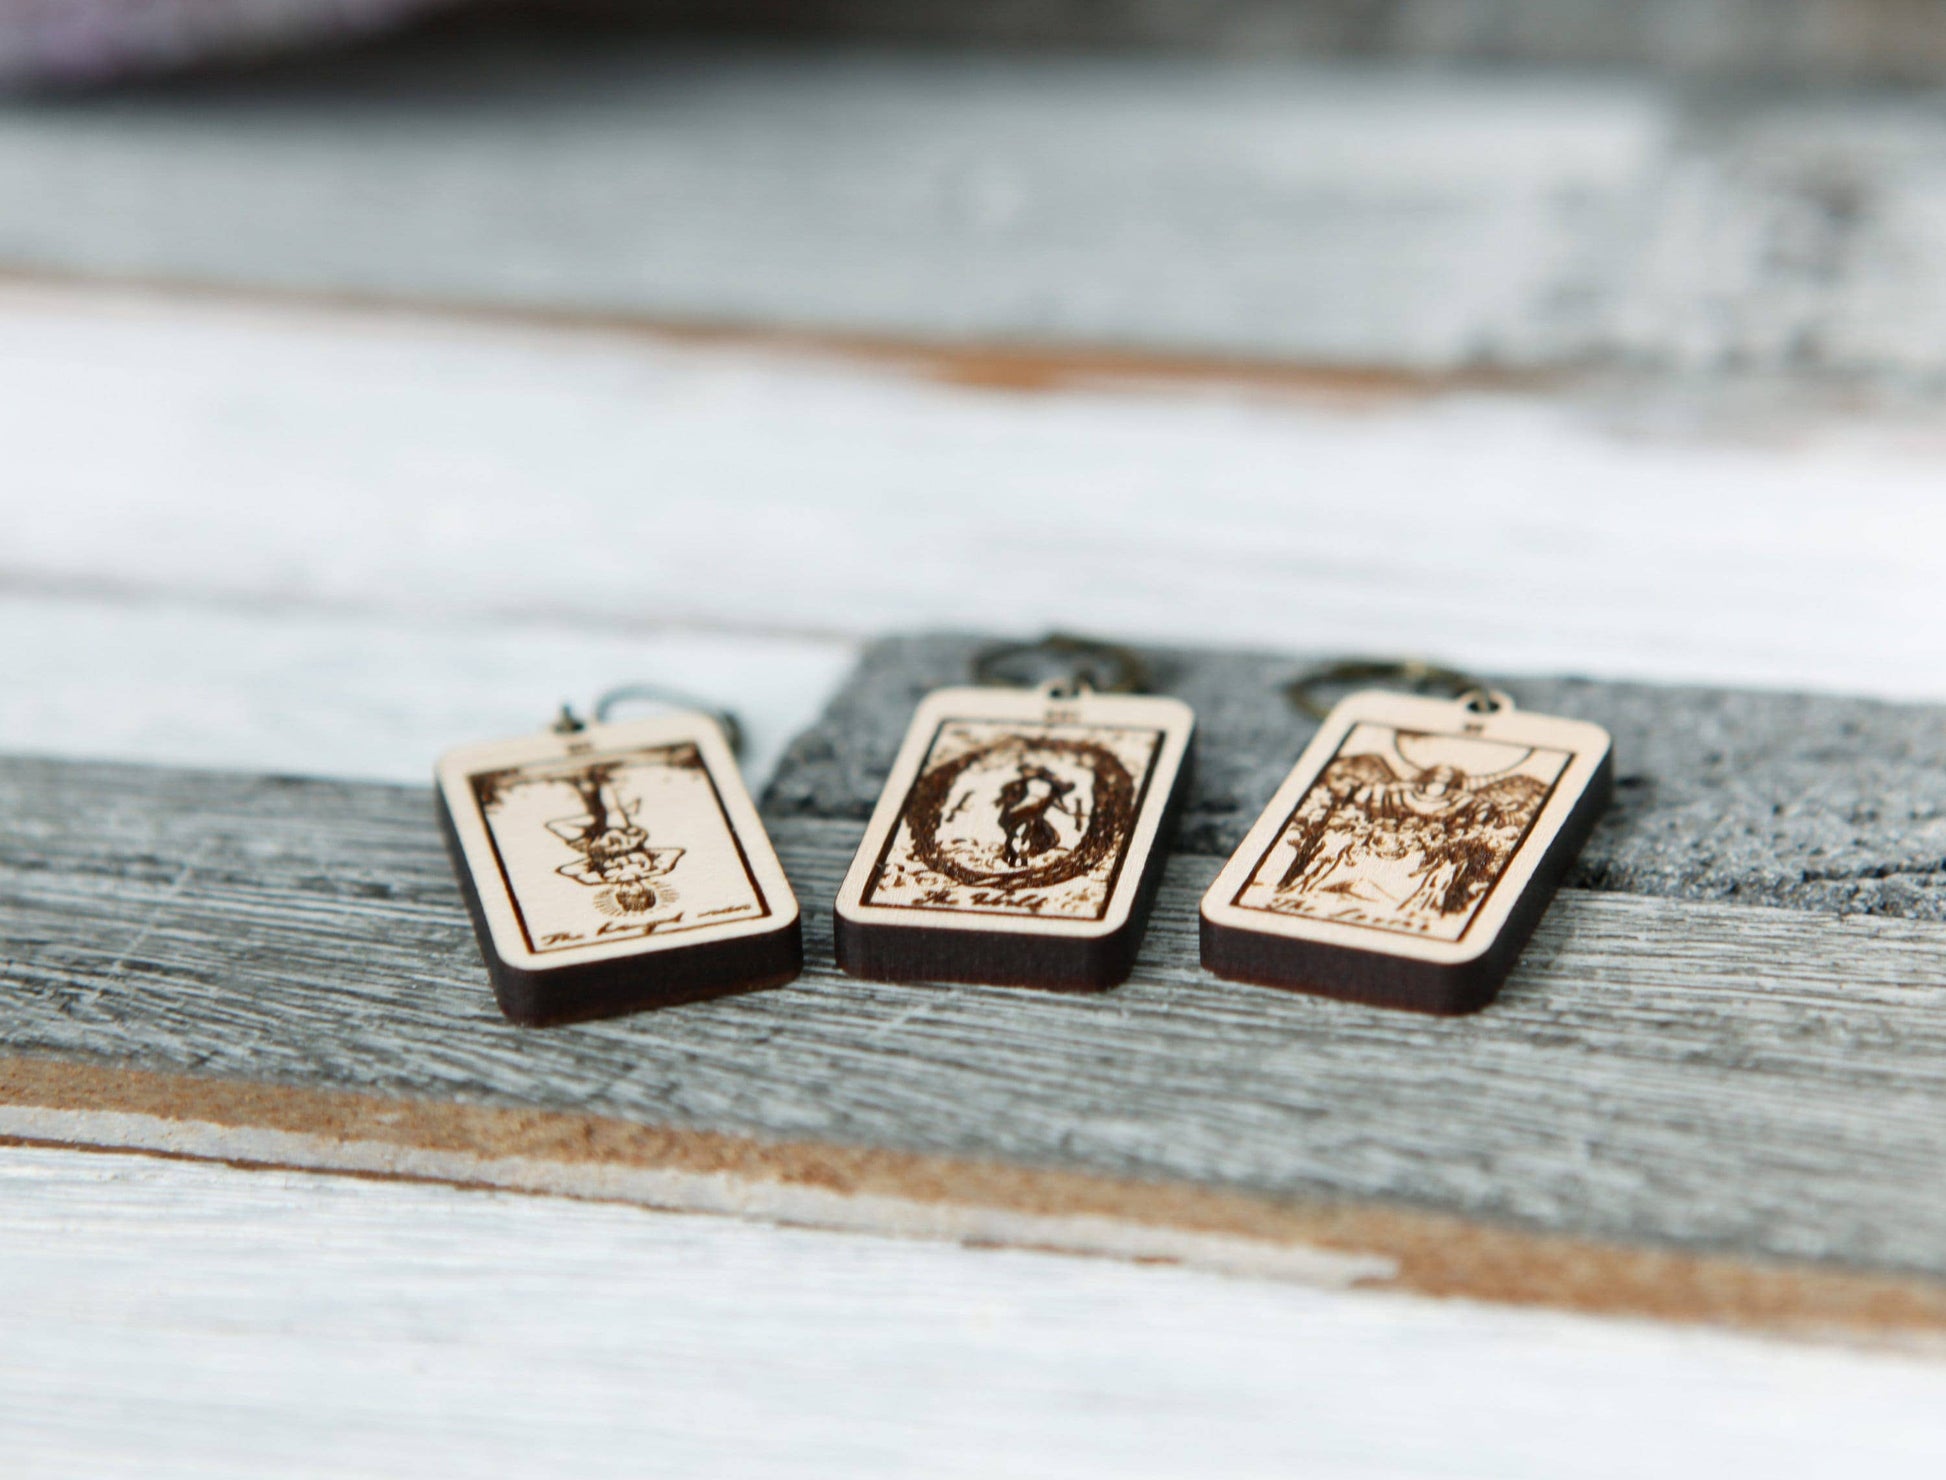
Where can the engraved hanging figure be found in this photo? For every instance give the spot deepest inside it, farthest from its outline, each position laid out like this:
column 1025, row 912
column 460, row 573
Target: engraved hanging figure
column 614, row 848
column 583, row 906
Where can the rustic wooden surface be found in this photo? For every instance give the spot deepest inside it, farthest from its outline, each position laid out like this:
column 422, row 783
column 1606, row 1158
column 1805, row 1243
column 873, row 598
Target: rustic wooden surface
column 294, row 539
column 359, row 505
column 167, row 1318
column 1714, row 1078
column 1830, row 40
column 1377, row 217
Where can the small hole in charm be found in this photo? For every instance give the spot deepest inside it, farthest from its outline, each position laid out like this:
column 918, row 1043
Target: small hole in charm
column 1485, row 701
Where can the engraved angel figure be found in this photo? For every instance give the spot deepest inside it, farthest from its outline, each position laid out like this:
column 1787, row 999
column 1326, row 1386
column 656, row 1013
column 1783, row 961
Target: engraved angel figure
column 614, row 848
column 1450, row 833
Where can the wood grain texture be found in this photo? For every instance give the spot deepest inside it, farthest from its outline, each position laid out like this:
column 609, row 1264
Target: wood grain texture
column 1841, row 40
column 1677, row 1076
column 192, row 493
column 1507, row 533
column 165, row 1319
column 1358, row 216
column 1157, row 204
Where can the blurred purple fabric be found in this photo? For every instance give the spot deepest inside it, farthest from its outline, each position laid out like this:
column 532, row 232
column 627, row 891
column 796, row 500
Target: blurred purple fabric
column 72, row 41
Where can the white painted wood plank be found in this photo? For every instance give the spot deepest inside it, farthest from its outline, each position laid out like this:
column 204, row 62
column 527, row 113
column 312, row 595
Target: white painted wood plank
column 330, row 693
column 310, row 1326
column 442, row 472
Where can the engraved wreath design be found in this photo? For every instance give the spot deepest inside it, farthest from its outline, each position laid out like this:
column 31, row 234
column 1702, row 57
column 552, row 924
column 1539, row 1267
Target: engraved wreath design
column 1111, row 810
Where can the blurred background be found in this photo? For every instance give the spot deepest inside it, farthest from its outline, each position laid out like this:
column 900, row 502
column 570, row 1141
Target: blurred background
column 377, row 374
column 1828, row 40
column 451, row 353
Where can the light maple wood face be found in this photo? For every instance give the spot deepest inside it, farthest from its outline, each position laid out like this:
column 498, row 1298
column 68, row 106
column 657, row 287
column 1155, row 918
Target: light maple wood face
column 1408, row 827
column 1013, row 811
column 615, row 841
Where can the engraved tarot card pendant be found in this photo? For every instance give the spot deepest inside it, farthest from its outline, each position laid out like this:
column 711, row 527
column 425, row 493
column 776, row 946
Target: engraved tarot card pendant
column 1407, row 858
column 1018, row 841
column 617, row 867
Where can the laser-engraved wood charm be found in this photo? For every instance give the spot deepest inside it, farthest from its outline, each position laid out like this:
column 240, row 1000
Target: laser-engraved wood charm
column 616, row 867
column 1018, row 841
column 1408, row 856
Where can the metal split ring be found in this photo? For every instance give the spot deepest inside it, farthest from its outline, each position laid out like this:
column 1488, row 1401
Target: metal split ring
column 569, row 722
column 1103, row 667
column 1413, row 674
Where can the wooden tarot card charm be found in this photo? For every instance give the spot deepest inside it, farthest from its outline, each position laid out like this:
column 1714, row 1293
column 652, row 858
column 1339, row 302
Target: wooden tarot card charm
column 1407, row 858
column 1018, row 841
column 616, row 867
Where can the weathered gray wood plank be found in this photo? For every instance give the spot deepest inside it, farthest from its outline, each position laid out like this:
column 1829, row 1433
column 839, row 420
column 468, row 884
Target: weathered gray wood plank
column 1843, row 40
column 1346, row 215
column 1804, row 801
column 1703, row 1076
column 1160, row 204
column 1846, row 40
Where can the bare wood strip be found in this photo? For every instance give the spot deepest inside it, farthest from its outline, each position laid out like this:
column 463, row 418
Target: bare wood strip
column 1026, row 365
column 1370, row 1246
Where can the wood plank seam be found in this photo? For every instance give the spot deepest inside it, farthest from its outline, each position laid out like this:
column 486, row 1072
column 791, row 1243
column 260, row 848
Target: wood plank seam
column 858, row 1189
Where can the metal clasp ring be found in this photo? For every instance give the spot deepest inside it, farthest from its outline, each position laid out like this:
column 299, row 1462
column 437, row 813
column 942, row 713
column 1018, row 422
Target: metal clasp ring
column 569, row 723
column 1103, row 667
column 1414, row 674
